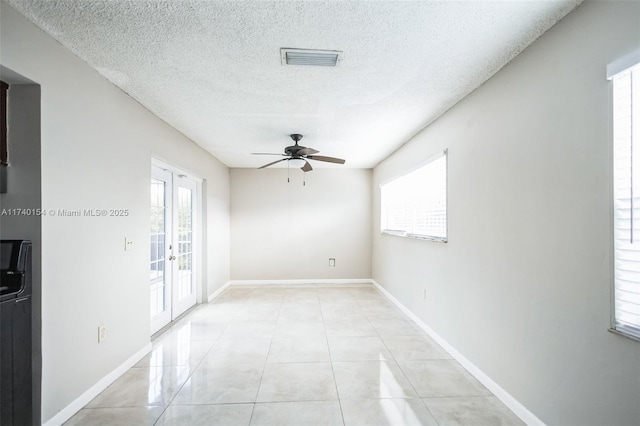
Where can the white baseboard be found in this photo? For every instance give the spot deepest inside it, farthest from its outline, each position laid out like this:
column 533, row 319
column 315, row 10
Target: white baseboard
column 218, row 291
column 67, row 412
column 346, row 281
column 520, row 410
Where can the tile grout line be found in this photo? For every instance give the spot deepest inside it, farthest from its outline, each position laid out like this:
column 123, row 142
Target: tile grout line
column 405, row 374
column 253, row 405
column 421, row 398
column 396, row 361
column 266, row 361
column 197, row 366
column 333, row 372
column 188, row 377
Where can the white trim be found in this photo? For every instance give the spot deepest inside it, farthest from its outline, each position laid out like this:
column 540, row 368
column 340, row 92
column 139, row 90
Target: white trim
column 519, row 410
column 434, row 157
column 77, row 404
column 164, row 165
column 623, row 64
column 218, row 291
column 198, row 241
column 348, row 281
column 414, row 236
column 328, row 282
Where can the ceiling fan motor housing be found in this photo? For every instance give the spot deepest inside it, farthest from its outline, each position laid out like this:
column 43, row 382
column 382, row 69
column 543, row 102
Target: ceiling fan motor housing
column 293, row 150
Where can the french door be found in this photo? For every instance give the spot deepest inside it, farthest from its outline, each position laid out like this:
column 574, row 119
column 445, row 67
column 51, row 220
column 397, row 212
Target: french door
column 173, row 280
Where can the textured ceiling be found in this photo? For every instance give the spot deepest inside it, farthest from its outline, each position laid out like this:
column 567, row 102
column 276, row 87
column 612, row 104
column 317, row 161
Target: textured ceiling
column 212, row 69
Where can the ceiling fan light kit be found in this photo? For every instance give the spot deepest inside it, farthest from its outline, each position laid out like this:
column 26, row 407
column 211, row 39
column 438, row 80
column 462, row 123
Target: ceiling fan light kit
column 297, row 163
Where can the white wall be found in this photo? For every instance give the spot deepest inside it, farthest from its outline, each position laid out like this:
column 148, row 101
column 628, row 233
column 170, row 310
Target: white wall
column 97, row 145
column 283, row 230
column 522, row 289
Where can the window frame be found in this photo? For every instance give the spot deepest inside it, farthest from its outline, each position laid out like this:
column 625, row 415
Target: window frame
column 441, row 154
column 614, row 69
column 4, row 146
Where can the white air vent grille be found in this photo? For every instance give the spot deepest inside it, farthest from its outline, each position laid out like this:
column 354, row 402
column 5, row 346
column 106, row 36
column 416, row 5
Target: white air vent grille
column 316, row 58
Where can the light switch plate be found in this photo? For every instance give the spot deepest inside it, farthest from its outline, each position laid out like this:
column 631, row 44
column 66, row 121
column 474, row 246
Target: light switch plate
column 128, row 244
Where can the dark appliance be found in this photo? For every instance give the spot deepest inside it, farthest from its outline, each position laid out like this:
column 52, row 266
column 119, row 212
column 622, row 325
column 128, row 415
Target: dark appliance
column 15, row 333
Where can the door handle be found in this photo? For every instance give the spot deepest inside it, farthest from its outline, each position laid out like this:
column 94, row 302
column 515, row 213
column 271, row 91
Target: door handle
column 172, row 257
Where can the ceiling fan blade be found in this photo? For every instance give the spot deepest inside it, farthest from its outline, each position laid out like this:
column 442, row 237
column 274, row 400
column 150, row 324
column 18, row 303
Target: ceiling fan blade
column 307, row 151
column 266, row 153
column 327, row 159
column 270, row 164
column 307, row 167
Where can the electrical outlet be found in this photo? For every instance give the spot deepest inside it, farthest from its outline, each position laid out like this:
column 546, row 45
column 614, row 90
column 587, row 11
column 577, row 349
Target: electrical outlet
column 332, row 262
column 102, row 333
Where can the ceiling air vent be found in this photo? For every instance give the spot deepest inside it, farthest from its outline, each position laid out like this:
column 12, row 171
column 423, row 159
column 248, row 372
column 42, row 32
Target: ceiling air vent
column 316, row 58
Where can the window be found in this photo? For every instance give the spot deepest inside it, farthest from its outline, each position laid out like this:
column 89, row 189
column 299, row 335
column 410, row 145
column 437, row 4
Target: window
column 4, row 87
column 626, row 200
column 415, row 204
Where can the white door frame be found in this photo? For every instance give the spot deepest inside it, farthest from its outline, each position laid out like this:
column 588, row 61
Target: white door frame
column 198, row 266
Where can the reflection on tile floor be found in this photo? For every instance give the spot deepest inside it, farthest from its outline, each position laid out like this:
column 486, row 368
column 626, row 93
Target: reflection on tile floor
column 303, row 355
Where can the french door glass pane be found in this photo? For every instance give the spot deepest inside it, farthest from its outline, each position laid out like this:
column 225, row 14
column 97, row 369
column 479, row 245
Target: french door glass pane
column 158, row 237
column 185, row 240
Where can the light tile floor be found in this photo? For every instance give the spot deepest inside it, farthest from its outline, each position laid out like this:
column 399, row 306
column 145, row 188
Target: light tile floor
column 304, row 355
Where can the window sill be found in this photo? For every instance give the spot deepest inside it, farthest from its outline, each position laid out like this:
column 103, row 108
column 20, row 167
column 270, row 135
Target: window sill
column 415, row 236
column 623, row 334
